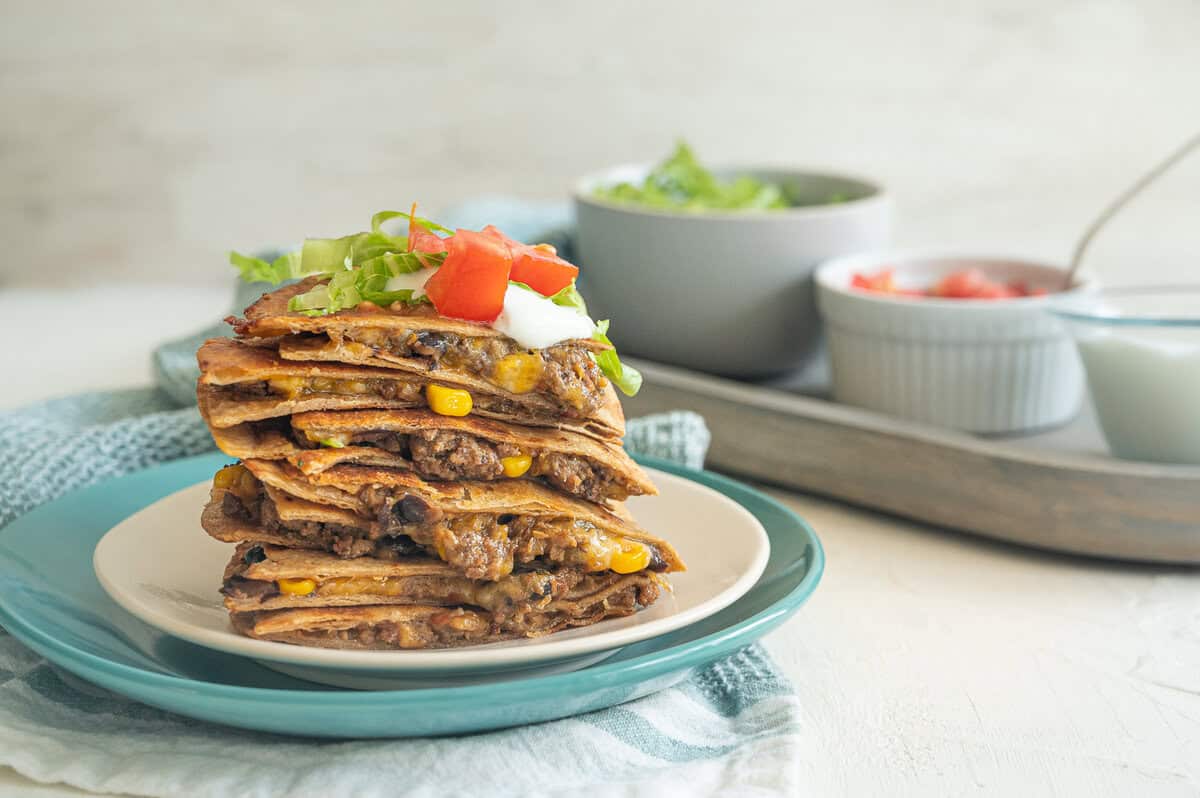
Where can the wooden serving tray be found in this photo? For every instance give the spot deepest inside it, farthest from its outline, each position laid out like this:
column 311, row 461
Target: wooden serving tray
column 1057, row 490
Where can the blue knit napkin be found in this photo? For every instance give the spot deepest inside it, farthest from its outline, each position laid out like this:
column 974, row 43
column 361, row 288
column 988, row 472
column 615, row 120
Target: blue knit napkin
column 730, row 729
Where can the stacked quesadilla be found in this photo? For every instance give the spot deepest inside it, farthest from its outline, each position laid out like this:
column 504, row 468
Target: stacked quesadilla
column 429, row 448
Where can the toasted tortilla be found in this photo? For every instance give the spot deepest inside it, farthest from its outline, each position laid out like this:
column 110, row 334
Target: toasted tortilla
column 349, row 528
column 271, row 440
column 302, row 337
column 221, row 526
column 225, row 364
column 609, row 414
column 253, row 573
column 403, row 626
column 339, row 487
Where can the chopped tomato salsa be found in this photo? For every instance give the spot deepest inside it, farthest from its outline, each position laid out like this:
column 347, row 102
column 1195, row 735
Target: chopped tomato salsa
column 962, row 284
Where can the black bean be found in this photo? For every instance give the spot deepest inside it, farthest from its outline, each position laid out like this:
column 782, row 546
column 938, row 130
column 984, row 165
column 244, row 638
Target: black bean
column 415, row 510
column 429, row 344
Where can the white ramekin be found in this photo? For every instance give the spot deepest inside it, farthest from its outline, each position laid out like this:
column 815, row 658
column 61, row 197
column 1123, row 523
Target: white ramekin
column 979, row 365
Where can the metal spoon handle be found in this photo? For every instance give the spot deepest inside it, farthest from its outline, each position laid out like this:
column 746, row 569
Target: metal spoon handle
column 1123, row 199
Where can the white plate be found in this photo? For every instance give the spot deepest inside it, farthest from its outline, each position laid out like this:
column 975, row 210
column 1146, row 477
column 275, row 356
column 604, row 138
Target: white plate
column 161, row 566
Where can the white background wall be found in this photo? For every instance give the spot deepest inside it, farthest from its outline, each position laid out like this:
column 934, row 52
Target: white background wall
column 146, row 139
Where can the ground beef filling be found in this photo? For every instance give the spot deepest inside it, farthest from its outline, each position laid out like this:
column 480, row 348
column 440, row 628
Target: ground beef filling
column 385, row 390
column 460, row 626
column 345, row 541
column 451, row 455
column 305, row 387
column 520, row 593
column 569, row 374
column 486, row 545
column 482, row 545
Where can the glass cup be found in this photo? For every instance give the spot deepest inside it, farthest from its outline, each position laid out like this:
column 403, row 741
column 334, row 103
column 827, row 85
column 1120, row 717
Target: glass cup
column 1141, row 349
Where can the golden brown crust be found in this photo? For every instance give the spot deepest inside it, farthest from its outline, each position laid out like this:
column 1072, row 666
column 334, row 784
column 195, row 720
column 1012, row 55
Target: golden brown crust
column 287, row 563
column 225, row 362
column 609, row 415
column 422, row 626
column 606, row 452
column 339, row 486
column 266, row 441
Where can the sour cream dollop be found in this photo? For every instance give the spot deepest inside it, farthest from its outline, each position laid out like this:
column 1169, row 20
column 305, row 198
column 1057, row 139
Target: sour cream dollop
column 535, row 322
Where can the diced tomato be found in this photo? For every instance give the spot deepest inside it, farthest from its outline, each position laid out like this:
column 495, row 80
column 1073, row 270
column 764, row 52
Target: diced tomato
column 963, row 284
column 470, row 284
column 883, row 281
column 538, row 266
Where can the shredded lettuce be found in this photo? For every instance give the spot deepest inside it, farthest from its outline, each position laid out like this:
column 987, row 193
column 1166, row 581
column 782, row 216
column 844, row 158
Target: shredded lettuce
column 570, row 297
column 378, row 219
column 257, row 270
column 625, row 377
column 682, row 183
column 321, row 256
column 366, row 283
column 358, row 266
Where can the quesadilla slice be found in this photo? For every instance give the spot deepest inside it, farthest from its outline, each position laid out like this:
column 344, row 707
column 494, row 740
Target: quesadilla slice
column 440, row 447
column 427, row 625
column 240, row 383
column 484, row 530
column 562, row 379
column 266, row 577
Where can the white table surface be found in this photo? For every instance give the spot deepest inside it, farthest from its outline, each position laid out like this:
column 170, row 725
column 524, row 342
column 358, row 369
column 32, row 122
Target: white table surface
column 926, row 662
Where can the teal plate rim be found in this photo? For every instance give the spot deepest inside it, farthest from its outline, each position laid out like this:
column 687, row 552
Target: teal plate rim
column 645, row 667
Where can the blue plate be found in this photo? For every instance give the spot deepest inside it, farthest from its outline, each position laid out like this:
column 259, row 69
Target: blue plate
column 51, row 601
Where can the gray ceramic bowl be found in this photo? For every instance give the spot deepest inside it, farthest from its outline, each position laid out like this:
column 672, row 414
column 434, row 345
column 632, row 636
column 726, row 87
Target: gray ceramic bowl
column 729, row 293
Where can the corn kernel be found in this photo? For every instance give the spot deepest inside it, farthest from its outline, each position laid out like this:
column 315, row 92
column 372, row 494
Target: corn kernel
column 287, row 386
column 516, row 466
column 228, row 476
column 630, row 558
column 296, row 587
column 519, row 372
column 351, row 386
column 238, row 480
column 448, row 401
